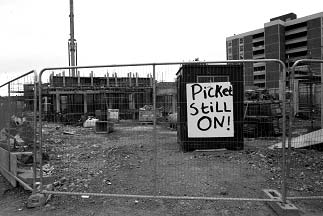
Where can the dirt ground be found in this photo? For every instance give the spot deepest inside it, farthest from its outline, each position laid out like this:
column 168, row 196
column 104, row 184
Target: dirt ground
column 128, row 161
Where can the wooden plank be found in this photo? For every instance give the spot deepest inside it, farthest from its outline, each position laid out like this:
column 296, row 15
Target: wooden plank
column 21, row 153
column 309, row 139
column 13, row 164
column 5, row 165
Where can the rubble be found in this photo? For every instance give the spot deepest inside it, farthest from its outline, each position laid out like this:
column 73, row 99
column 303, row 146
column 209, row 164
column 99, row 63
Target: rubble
column 47, row 170
column 223, row 191
column 90, row 122
column 89, row 162
column 69, row 132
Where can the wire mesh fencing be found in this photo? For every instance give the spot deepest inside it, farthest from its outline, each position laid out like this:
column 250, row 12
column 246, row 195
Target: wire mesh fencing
column 221, row 138
column 18, row 129
column 147, row 130
column 305, row 126
column 196, row 131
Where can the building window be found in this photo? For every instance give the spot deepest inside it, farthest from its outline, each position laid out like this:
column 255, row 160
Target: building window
column 229, row 50
column 259, row 77
column 241, row 48
column 261, row 68
column 241, row 54
column 229, row 43
column 260, row 85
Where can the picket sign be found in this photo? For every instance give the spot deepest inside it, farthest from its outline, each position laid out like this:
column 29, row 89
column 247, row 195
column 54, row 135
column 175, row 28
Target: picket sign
column 210, row 109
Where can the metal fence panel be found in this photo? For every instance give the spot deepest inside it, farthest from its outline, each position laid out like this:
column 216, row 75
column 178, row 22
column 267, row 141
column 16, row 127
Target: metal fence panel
column 214, row 168
column 305, row 137
column 116, row 131
column 113, row 133
column 18, row 128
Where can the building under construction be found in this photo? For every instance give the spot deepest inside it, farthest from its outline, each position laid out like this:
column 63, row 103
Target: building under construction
column 68, row 98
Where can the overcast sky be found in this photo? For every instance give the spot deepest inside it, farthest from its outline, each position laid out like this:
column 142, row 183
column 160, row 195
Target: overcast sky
column 34, row 33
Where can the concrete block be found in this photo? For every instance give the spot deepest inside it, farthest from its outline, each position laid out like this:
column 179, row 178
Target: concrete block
column 36, row 200
column 281, row 209
column 104, row 127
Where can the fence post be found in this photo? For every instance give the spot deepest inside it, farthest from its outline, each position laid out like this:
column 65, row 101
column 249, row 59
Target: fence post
column 284, row 180
column 40, row 131
column 35, row 132
column 155, row 135
column 290, row 125
column 9, row 126
column 321, row 98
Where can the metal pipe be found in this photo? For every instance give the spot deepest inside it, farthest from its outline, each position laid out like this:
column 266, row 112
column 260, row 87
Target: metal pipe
column 25, row 74
column 40, row 131
column 321, row 97
column 160, row 197
column 290, row 123
column 9, row 120
column 35, row 132
column 155, row 132
column 284, row 180
column 163, row 63
column 306, row 198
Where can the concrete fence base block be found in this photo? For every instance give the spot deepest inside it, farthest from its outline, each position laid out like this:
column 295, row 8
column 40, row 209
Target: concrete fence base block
column 281, row 209
column 36, row 200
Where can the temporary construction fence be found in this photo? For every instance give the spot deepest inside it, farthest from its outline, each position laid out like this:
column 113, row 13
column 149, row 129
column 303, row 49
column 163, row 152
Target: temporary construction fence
column 140, row 160
column 311, row 136
column 18, row 103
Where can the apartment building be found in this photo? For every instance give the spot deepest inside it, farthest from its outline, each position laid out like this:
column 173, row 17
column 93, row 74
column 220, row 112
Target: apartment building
column 287, row 38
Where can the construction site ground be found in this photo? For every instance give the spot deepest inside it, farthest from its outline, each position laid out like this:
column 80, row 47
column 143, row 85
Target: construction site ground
column 128, row 161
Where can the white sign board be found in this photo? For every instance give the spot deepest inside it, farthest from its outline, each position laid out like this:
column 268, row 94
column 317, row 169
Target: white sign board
column 210, row 109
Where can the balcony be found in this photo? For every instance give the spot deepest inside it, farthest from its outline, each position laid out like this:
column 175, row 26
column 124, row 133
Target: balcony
column 259, row 56
column 260, row 81
column 294, row 31
column 302, row 68
column 255, row 73
column 295, row 50
column 258, row 39
column 259, row 64
column 296, row 40
column 258, row 48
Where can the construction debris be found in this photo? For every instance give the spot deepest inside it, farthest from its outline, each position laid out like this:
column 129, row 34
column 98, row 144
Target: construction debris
column 310, row 140
column 90, row 122
column 146, row 113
